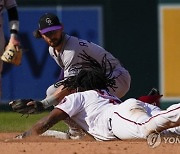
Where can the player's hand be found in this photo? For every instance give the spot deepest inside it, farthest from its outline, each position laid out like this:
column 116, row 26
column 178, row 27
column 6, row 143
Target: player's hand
column 14, row 40
column 12, row 53
column 26, row 106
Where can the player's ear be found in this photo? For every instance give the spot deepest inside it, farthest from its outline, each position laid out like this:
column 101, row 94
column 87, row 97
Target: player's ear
column 37, row 34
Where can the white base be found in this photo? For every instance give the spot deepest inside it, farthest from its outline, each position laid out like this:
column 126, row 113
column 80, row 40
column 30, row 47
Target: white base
column 56, row 134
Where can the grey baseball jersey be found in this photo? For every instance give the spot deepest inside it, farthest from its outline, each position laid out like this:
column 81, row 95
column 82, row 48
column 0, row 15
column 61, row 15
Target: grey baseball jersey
column 73, row 47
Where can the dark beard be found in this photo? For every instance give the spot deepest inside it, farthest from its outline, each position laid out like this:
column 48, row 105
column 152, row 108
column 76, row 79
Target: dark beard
column 59, row 41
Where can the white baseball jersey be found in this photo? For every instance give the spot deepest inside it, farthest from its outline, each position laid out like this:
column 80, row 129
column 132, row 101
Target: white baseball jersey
column 91, row 110
column 102, row 116
column 69, row 56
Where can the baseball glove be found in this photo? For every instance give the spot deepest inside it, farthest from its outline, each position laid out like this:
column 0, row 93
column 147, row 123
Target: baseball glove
column 21, row 106
column 12, row 54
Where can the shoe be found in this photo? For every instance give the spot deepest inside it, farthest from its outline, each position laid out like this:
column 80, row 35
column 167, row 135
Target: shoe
column 154, row 91
column 75, row 134
column 152, row 98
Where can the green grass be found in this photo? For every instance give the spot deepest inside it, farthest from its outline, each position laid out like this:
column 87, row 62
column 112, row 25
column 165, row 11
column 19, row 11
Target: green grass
column 14, row 122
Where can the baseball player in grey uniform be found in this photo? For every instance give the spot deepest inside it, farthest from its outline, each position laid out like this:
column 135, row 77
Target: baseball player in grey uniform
column 11, row 7
column 65, row 49
column 102, row 114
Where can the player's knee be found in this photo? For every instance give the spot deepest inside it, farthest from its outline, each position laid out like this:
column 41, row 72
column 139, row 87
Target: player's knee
column 123, row 83
column 127, row 81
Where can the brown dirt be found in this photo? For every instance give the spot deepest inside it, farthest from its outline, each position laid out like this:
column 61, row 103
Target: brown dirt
column 47, row 145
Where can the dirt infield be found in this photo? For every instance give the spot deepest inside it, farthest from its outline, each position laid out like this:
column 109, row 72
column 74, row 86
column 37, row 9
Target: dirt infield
column 47, row 145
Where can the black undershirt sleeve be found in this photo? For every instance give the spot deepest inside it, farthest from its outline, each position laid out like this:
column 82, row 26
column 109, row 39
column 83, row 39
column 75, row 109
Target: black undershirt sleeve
column 13, row 14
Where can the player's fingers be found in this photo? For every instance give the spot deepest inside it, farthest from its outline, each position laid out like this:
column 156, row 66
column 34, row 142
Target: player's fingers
column 10, row 103
column 17, row 47
column 30, row 103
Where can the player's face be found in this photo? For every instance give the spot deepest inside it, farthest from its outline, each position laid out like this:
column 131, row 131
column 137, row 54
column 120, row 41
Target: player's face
column 53, row 38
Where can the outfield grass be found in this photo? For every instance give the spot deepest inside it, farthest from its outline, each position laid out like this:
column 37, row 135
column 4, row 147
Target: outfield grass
column 14, row 122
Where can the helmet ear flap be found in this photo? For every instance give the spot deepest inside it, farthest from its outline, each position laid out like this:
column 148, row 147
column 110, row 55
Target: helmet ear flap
column 37, row 34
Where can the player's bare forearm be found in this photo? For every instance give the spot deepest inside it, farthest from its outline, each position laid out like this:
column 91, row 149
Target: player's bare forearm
column 39, row 128
column 45, row 123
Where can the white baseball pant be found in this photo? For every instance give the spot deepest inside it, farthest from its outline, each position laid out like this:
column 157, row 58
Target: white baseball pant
column 134, row 119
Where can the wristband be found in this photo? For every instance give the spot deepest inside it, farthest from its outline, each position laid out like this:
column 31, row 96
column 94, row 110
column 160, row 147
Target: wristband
column 14, row 26
column 49, row 101
column 14, row 35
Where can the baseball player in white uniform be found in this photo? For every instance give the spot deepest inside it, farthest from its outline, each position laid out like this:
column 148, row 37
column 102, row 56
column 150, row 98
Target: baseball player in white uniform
column 103, row 115
column 11, row 7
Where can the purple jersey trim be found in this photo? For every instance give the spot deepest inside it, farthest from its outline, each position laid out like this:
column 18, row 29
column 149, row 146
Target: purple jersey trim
column 45, row 30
